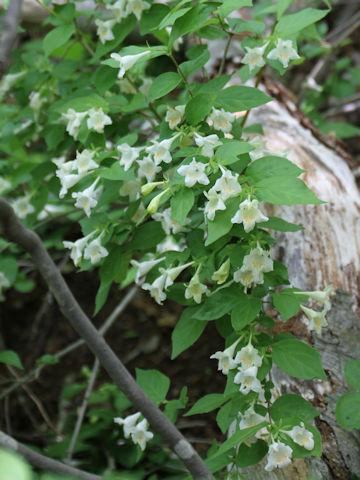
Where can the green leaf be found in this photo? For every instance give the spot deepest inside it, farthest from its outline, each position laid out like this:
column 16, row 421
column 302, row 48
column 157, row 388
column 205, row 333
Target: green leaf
column 245, row 311
column 276, row 223
column 206, row 404
column 104, row 78
column 47, row 360
column 154, row 383
column 14, row 467
column 198, row 56
column 271, row 166
column 9, row 267
column 221, row 225
column 352, row 373
column 194, row 19
column 181, row 204
column 80, row 102
column 282, row 5
column 11, row 358
column 295, row 22
column 348, row 410
column 120, row 31
column 238, row 437
column 288, row 303
column 341, row 129
column 291, row 405
column 147, row 236
column 227, row 6
column 151, row 18
column 163, row 84
column 252, row 454
column 57, row 37
column 198, row 108
column 238, row 98
column 225, row 417
column 298, row 359
column 186, row 331
column 228, row 153
column 285, row 190
column 218, row 304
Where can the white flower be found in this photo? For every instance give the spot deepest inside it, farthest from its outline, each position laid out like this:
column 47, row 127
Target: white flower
column 221, row 275
column 156, row 289
column 4, row 185
column 104, row 30
column 22, row 206
column 67, row 181
column 98, row 120
column 175, row 115
column 131, row 189
column 249, row 214
column 225, row 358
column 126, row 62
column 8, row 81
column 88, row 198
column 227, row 184
column 258, row 260
column 171, row 273
column 140, row 435
column 36, row 101
column 222, row 120
column 74, row 120
column 128, row 155
column 259, row 148
column 128, row 423
column 317, row 320
column 77, row 248
column 126, row 86
column 279, row 456
column 250, row 418
column 247, row 380
column 161, row 150
column 84, row 161
column 169, row 244
column 195, row 289
column 168, row 224
column 194, row 173
column 246, row 276
column 136, row 7
column 215, row 203
column 302, row 437
column 144, row 267
column 118, row 10
column 322, row 296
column 284, row 52
column 145, row 88
column 254, row 57
column 207, row 143
column 148, row 168
column 95, row 251
column 248, row 357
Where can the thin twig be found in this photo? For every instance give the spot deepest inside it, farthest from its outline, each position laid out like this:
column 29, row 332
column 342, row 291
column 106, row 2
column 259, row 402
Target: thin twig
column 223, row 60
column 83, row 408
column 12, row 229
column 10, row 25
column 42, row 462
column 173, row 59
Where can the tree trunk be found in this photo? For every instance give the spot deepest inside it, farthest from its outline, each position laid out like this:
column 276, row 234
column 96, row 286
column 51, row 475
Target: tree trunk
column 326, row 252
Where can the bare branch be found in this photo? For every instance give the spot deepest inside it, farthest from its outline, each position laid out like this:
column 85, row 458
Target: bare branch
column 10, row 25
column 13, row 230
column 42, row 462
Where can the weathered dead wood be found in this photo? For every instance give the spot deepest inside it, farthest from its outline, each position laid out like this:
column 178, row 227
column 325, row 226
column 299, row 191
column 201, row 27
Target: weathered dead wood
column 326, row 252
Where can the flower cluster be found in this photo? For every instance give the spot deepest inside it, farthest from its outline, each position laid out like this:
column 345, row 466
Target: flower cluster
column 283, row 52
column 92, row 251
column 255, row 264
column 97, row 120
column 137, row 431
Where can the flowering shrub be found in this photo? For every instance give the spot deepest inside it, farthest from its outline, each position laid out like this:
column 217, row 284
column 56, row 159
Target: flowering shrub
column 167, row 183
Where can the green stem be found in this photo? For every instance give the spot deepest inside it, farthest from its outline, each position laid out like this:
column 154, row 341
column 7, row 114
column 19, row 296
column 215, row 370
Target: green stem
column 151, row 105
column 223, row 60
column 181, row 74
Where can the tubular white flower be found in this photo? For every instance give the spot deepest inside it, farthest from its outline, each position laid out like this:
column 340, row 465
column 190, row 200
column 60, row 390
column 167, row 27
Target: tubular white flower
column 175, row 115
column 221, row 275
column 77, row 248
column 246, row 377
column 88, row 198
column 317, row 320
column 207, row 143
column 322, row 296
column 195, row 289
column 248, row 357
column 222, row 120
column 128, row 423
column 302, row 437
column 22, row 206
column 144, row 267
column 171, row 273
column 98, row 120
column 227, row 184
column 95, row 251
column 148, row 168
column 168, row 224
column 74, row 120
column 279, row 456
column 169, row 245
column 249, row 214
column 194, row 172
column 156, row 289
column 225, row 358
column 284, row 52
column 36, row 101
column 4, row 282
column 127, row 61
column 250, row 418
column 260, row 261
column 140, row 435
column 215, row 203
column 104, row 30
column 84, row 161
column 259, row 148
column 128, row 155
column 161, row 150
column 67, row 181
column 254, row 57
column 131, row 189
column 118, row 9
column 246, row 276
column 136, row 7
